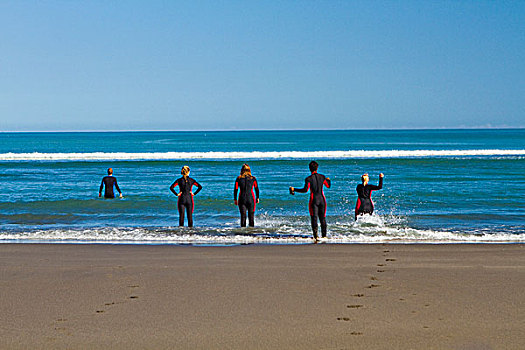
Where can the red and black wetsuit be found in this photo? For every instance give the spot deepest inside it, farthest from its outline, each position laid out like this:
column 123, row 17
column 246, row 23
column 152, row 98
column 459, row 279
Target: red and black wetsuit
column 364, row 203
column 185, row 201
column 247, row 198
column 109, row 182
column 317, row 204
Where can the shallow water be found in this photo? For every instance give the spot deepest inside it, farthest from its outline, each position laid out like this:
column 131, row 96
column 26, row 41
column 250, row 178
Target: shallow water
column 440, row 186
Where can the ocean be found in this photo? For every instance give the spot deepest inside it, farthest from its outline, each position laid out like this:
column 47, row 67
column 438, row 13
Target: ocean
column 440, row 186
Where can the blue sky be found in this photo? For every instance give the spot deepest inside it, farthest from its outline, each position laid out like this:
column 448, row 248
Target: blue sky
column 207, row 65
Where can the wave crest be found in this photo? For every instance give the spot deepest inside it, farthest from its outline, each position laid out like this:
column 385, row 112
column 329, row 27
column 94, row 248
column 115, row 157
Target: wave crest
column 96, row 156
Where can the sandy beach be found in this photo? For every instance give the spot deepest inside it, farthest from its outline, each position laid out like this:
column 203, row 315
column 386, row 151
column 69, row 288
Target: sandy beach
column 262, row 297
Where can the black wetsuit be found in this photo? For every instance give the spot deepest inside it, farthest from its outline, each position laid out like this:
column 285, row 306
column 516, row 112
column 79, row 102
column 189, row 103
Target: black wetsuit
column 317, row 204
column 364, row 203
column 185, row 201
column 109, row 182
column 247, row 198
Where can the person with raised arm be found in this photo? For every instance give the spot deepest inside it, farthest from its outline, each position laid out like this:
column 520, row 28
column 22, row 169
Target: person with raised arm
column 364, row 203
column 317, row 204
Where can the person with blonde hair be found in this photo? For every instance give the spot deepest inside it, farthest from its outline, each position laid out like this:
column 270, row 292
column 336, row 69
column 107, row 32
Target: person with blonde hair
column 245, row 185
column 185, row 196
column 364, row 204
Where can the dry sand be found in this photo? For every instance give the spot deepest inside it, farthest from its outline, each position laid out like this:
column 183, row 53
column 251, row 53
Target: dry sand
column 262, row 297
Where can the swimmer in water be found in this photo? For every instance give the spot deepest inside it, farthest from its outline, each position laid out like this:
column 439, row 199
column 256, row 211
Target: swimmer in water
column 364, row 203
column 109, row 182
column 317, row 203
column 246, row 184
column 185, row 196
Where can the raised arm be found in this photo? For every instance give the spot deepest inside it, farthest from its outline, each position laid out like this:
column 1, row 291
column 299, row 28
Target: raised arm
column 327, row 182
column 304, row 189
column 380, row 186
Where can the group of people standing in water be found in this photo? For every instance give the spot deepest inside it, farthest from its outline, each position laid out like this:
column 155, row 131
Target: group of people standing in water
column 246, row 195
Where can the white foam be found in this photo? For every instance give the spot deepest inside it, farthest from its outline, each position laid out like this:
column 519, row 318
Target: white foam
column 95, row 156
column 354, row 232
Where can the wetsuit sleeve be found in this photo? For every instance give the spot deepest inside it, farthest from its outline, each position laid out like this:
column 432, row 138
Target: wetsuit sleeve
column 235, row 189
column 357, row 206
column 172, row 188
column 199, row 188
column 359, row 191
column 305, row 188
column 327, row 182
column 116, row 186
column 380, row 186
column 256, row 186
column 101, row 187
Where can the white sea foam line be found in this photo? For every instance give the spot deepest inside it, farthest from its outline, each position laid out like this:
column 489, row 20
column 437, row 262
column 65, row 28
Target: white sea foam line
column 259, row 155
column 145, row 236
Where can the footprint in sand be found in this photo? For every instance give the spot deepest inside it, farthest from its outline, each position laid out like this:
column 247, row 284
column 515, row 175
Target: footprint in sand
column 359, row 295
column 133, row 297
column 380, row 265
column 354, row 306
column 343, row 319
column 390, row 260
column 380, row 270
column 100, row 311
column 373, row 286
column 356, row 333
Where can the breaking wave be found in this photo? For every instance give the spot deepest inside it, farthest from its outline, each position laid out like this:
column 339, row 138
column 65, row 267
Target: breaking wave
column 94, row 156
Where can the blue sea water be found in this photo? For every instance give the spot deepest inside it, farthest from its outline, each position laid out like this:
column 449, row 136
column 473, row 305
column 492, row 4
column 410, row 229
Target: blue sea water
column 440, row 186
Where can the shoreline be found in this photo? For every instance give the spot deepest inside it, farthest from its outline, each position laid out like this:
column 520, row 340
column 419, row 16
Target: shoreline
column 323, row 296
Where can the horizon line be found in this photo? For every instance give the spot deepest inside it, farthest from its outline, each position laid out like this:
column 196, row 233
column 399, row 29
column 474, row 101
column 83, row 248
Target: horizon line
column 284, row 129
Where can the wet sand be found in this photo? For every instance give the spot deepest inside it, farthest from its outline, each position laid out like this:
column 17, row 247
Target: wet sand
column 262, row 297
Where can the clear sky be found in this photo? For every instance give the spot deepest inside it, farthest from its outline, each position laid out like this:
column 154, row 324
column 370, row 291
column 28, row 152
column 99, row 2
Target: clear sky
column 205, row 65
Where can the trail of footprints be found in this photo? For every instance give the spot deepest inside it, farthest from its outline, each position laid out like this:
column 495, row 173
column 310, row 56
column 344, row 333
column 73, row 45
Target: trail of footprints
column 60, row 323
column 133, row 295
column 374, row 284
column 381, row 269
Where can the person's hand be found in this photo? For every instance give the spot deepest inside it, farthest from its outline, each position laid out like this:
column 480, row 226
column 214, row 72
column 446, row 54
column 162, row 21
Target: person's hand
column 100, row 194
column 179, row 194
column 381, row 175
column 192, row 194
column 120, row 195
column 235, row 202
column 292, row 190
column 328, row 178
column 257, row 200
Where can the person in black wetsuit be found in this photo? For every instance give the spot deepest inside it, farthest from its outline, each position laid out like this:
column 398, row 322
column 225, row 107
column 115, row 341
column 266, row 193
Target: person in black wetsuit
column 185, row 201
column 317, row 204
column 245, row 184
column 364, row 203
column 109, row 182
